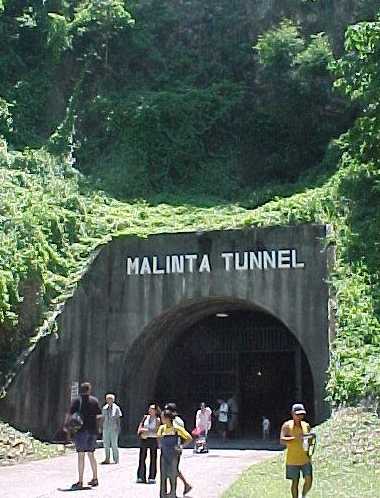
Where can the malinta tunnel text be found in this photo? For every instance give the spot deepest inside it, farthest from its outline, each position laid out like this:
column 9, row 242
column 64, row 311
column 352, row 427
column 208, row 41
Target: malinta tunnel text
column 230, row 261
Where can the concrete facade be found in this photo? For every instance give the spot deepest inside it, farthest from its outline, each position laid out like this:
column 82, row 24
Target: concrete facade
column 116, row 328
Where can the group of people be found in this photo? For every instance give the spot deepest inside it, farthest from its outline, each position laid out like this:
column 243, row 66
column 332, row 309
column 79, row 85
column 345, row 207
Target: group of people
column 84, row 420
column 165, row 430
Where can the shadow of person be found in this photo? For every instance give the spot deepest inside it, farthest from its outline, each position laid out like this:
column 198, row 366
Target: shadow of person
column 84, row 488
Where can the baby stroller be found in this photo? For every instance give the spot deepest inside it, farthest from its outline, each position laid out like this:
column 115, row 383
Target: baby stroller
column 200, row 441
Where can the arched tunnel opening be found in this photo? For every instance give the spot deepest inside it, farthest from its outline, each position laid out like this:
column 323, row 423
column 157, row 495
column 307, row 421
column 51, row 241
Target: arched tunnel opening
column 213, row 348
column 249, row 356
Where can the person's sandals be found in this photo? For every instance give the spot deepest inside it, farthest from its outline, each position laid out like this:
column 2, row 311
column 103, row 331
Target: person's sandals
column 93, row 482
column 187, row 489
column 77, row 485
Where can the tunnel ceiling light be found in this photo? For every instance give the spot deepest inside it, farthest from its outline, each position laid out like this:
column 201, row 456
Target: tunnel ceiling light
column 222, row 315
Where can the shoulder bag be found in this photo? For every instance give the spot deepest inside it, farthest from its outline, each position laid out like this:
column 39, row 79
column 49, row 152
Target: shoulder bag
column 142, row 434
column 75, row 422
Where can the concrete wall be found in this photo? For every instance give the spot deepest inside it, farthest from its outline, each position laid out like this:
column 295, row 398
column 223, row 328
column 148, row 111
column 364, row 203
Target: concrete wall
column 116, row 328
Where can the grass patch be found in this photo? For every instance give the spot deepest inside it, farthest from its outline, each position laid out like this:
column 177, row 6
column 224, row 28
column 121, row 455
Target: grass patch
column 346, row 462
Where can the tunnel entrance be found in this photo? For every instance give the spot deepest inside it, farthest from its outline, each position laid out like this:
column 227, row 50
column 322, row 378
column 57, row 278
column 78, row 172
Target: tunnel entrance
column 142, row 323
column 248, row 355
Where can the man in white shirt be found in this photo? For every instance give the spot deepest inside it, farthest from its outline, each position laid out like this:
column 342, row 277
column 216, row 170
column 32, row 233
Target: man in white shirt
column 265, row 427
column 111, row 415
column 222, row 414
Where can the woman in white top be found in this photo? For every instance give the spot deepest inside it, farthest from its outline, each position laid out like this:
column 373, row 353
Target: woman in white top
column 147, row 432
column 203, row 419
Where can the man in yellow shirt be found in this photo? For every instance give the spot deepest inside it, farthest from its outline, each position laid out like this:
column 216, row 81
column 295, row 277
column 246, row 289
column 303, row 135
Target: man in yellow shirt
column 292, row 436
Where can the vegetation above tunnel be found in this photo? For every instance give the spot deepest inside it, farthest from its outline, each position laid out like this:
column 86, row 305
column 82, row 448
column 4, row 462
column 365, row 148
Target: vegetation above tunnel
column 205, row 118
column 160, row 94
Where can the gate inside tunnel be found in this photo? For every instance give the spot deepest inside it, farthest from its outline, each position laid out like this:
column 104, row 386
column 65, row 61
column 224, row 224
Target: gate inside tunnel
column 246, row 355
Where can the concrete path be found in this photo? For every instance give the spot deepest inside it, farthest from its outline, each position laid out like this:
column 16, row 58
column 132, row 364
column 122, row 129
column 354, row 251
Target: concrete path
column 210, row 475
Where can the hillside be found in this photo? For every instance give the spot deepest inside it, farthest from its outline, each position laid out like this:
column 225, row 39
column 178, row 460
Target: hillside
column 140, row 141
column 154, row 95
column 54, row 221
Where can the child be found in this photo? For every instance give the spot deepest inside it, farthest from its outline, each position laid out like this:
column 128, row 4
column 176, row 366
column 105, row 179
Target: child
column 168, row 437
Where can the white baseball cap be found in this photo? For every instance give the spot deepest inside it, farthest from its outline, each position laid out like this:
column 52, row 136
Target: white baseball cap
column 299, row 409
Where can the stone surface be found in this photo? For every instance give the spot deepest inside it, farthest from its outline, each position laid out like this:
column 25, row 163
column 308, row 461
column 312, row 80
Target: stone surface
column 209, row 474
column 116, row 328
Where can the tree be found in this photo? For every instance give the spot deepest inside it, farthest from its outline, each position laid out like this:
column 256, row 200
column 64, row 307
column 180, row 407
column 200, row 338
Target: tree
column 358, row 77
column 296, row 111
column 96, row 23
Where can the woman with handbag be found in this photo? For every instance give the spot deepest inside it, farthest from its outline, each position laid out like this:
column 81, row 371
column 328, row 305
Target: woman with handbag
column 147, row 433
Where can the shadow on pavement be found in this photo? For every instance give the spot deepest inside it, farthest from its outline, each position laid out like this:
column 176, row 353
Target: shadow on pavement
column 85, row 488
column 216, row 443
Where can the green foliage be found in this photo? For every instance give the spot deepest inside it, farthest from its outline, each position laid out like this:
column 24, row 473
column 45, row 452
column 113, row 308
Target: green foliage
column 61, row 141
column 355, row 370
column 5, row 118
column 166, row 138
column 95, row 24
column 110, row 15
column 358, row 76
column 31, row 104
column 358, row 72
column 172, row 137
column 180, row 51
column 314, row 60
column 59, row 38
column 293, row 80
column 279, row 47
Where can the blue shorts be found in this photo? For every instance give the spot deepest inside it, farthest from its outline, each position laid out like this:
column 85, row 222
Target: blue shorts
column 85, row 442
column 293, row 471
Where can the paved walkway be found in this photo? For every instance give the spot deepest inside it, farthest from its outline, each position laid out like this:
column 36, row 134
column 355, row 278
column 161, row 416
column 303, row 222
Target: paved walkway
column 210, row 475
